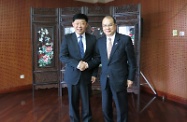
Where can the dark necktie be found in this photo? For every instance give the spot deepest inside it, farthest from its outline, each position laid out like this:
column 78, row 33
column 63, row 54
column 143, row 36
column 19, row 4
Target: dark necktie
column 81, row 47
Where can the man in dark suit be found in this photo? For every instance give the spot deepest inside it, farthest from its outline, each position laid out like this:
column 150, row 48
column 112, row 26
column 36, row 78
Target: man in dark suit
column 77, row 78
column 116, row 54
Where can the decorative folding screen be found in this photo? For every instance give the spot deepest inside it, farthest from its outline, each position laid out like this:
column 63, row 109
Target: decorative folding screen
column 44, row 24
column 129, row 17
column 50, row 25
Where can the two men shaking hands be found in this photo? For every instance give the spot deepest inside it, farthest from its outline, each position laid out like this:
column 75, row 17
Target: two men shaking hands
column 82, row 65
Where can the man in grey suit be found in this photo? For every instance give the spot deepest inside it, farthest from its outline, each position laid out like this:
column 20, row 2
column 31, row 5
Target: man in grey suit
column 77, row 49
column 116, row 54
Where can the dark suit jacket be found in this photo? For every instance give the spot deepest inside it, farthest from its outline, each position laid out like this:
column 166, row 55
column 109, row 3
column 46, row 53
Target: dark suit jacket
column 70, row 55
column 121, row 65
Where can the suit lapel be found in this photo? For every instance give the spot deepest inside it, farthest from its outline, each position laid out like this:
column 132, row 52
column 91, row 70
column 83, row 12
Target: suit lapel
column 115, row 45
column 75, row 42
column 105, row 47
column 87, row 44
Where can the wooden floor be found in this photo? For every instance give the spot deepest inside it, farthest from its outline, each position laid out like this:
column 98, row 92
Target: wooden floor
column 46, row 106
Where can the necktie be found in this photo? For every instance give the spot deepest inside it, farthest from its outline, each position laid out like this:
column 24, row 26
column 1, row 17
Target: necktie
column 109, row 47
column 81, row 46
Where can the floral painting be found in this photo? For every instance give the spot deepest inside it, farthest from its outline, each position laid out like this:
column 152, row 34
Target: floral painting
column 45, row 48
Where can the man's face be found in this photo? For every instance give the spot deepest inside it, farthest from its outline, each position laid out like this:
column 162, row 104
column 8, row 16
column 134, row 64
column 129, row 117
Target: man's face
column 80, row 26
column 109, row 27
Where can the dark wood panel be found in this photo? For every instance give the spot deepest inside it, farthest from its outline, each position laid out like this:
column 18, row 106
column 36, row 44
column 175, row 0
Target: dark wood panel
column 45, row 77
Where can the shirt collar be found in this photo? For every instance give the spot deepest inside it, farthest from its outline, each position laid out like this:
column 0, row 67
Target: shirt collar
column 83, row 35
column 112, row 37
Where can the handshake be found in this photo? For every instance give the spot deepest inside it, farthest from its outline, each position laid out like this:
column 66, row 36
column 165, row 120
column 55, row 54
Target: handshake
column 82, row 65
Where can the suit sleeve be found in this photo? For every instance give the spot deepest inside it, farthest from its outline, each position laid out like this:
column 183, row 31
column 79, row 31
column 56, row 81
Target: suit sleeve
column 96, row 60
column 131, row 59
column 93, row 64
column 64, row 54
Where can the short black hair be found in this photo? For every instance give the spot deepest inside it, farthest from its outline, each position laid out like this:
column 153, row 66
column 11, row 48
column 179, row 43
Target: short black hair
column 80, row 16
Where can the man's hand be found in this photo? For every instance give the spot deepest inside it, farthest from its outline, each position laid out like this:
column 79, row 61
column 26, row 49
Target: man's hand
column 82, row 65
column 93, row 79
column 129, row 83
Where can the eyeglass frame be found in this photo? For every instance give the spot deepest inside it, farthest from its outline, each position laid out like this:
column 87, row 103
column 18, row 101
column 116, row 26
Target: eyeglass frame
column 109, row 25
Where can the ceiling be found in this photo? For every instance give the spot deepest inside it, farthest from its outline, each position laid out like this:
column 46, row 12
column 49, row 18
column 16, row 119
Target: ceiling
column 95, row 1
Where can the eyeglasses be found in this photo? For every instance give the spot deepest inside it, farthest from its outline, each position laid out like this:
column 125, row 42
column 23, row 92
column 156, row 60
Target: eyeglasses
column 109, row 25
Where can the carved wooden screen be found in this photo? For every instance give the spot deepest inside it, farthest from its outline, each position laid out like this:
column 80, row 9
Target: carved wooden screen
column 50, row 25
column 65, row 23
column 66, row 18
column 44, row 33
column 128, row 18
column 95, row 15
